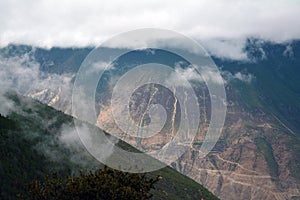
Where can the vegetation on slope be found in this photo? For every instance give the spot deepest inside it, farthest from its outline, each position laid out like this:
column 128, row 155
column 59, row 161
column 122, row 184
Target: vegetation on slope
column 101, row 184
column 265, row 148
column 23, row 157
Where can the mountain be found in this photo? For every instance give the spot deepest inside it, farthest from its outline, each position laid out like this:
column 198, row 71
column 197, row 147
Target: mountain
column 257, row 155
column 37, row 140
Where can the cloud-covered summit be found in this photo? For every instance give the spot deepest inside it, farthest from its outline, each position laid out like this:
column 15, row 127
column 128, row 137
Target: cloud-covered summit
column 81, row 23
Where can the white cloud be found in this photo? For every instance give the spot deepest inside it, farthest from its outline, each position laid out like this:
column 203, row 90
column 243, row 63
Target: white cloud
column 232, row 49
column 100, row 66
column 241, row 76
column 205, row 73
column 288, row 52
column 67, row 138
column 70, row 139
column 188, row 74
column 82, row 23
column 210, row 75
column 22, row 74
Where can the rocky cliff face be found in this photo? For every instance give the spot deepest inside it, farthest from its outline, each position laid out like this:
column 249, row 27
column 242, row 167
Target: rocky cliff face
column 253, row 158
column 237, row 168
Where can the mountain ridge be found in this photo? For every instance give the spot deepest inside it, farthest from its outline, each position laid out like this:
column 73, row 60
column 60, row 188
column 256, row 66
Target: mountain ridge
column 23, row 130
column 257, row 153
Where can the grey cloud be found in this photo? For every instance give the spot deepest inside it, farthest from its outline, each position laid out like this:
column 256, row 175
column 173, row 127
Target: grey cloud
column 68, row 138
column 49, row 23
column 22, row 74
column 6, row 105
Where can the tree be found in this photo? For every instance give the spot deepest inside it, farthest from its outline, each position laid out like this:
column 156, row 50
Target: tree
column 103, row 183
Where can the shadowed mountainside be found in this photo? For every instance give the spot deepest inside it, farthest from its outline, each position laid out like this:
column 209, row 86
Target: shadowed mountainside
column 35, row 141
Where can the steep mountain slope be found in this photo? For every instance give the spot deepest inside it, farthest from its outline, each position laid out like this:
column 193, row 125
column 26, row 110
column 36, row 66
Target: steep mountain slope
column 257, row 156
column 37, row 139
column 276, row 87
column 261, row 135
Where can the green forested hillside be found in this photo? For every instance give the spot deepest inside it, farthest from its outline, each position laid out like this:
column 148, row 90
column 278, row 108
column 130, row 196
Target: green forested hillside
column 29, row 148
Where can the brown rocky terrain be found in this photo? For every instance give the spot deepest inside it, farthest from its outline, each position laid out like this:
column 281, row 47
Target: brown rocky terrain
column 239, row 167
column 251, row 160
column 257, row 155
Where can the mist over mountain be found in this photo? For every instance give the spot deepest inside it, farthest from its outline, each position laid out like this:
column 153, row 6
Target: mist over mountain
column 38, row 140
column 204, row 95
column 257, row 155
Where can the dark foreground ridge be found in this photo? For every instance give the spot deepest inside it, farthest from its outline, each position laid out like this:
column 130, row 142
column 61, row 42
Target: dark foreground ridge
column 30, row 147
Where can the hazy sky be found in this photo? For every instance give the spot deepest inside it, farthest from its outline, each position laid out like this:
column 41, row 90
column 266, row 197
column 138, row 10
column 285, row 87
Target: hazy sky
column 80, row 23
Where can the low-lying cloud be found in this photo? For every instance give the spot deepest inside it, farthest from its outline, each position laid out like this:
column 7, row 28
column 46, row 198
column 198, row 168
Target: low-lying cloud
column 68, row 139
column 22, row 74
column 207, row 74
column 217, row 23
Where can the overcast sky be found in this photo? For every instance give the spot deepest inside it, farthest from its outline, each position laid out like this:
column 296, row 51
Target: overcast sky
column 80, row 23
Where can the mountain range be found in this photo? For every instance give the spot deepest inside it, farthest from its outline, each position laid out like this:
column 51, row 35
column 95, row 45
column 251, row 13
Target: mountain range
column 257, row 155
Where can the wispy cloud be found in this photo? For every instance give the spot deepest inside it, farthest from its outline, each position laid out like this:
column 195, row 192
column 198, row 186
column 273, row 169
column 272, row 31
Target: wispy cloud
column 241, row 76
column 288, row 52
column 22, row 74
column 6, row 105
column 68, row 139
column 227, row 49
column 183, row 74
